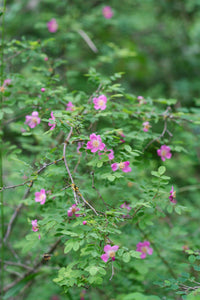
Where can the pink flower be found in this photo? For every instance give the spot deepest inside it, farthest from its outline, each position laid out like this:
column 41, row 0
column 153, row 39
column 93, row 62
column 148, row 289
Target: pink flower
column 70, row 106
column 140, row 98
column 52, row 25
column 172, row 196
column 72, row 211
column 144, row 249
column 107, row 12
column 33, row 120
column 40, row 196
column 124, row 166
column 146, row 126
column 34, row 225
column 95, row 143
column 111, row 154
column 109, row 252
column 7, row 82
column 164, row 152
column 42, row 90
column 84, row 222
column 100, row 102
column 46, row 58
column 53, row 119
column 124, row 205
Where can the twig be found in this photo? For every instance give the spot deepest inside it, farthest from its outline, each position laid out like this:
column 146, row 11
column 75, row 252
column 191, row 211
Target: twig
column 12, row 263
column 88, row 40
column 113, row 271
column 64, row 157
column 34, row 269
column 87, row 203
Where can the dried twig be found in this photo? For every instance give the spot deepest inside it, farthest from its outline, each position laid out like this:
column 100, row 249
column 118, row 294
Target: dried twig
column 87, row 39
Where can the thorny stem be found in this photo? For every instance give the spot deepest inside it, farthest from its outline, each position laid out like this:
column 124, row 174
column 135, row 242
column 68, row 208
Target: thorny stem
column 1, row 152
column 66, row 165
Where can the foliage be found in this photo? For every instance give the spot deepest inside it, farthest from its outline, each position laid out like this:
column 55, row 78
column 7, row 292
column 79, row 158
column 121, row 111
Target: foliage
column 58, row 74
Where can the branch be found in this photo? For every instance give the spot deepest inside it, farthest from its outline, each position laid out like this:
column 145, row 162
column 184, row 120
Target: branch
column 34, row 269
column 93, row 186
column 12, row 263
column 88, row 40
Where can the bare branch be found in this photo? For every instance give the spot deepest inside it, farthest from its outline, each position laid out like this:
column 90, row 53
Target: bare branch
column 87, row 39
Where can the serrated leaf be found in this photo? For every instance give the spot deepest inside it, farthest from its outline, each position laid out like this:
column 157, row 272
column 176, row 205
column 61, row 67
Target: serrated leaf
column 161, row 170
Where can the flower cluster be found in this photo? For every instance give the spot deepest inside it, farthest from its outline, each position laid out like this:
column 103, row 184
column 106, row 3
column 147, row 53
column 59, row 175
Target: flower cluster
column 72, row 211
column 124, row 166
column 95, row 143
column 40, row 196
column 164, row 152
column 172, row 196
column 52, row 25
column 144, row 248
column 33, row 120
column 100, row 102
column 109, row 252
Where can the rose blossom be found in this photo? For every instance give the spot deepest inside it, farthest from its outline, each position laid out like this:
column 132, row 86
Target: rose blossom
column 100, row 102
column 109, row 252
column 52, row 25
column 70, row 106
column 7, row 82
column 84, row 222
column 172, row 196
column 34, row 225
column 72, row 211
column 53, row 119
column 164, row 152
column 144, row 249
column 146, row 126
column 95, row 143
column 107, row 12
column 124, row 166
column 33, row 120
column 42, row 90
column 40, row 196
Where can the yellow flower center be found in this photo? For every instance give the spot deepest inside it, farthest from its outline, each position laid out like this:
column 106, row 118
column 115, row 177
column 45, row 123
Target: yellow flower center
column 74, row 209
column 144, row 249
column 34, row 120
column 111, row 253
column 95, row 143
column 174, row 194
column 121, row 165
column 163, row 153
column 101, row 102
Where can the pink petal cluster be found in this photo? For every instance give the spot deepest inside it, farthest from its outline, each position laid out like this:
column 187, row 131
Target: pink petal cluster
column 40, row 196
column 95, row 143
column 146, row 126
column 52, row 25
column 109, row 252
column 144, row 248
column 70, row 106
column 53, row 119
column 72, row 211
column 100, row 102
column 110, row 155
column 33, row 120
column 34, row 225
column 172, row 196
column 43, row 90
column 164, row 152
column 124, row 166
column 7, row 82
column 107, row 12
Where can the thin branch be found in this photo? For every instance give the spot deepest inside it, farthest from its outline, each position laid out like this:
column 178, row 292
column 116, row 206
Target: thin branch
column 34, row 269
column 12, row 263
column 113, row 271
column 87, row 39
column 88, row 204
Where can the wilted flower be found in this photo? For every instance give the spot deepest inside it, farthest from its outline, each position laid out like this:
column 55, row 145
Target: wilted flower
column 144, row 248
column 70, row 106
column 100, row 102
column 172, row 196
column 164, row 152
column 33, row 120
column 34, row 225
column 53, row 119
column 109, row 252
column 124, row 166
column 95, row 143
column 72, row 211
column 107, row 12
column 52, row 25
column 40, row 196
column 146, row 126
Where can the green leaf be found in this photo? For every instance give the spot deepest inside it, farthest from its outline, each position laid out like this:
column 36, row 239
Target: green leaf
column 135, row 254
column 161, row 170
column 126, row 257
column 68, row 246
column 192, row 258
